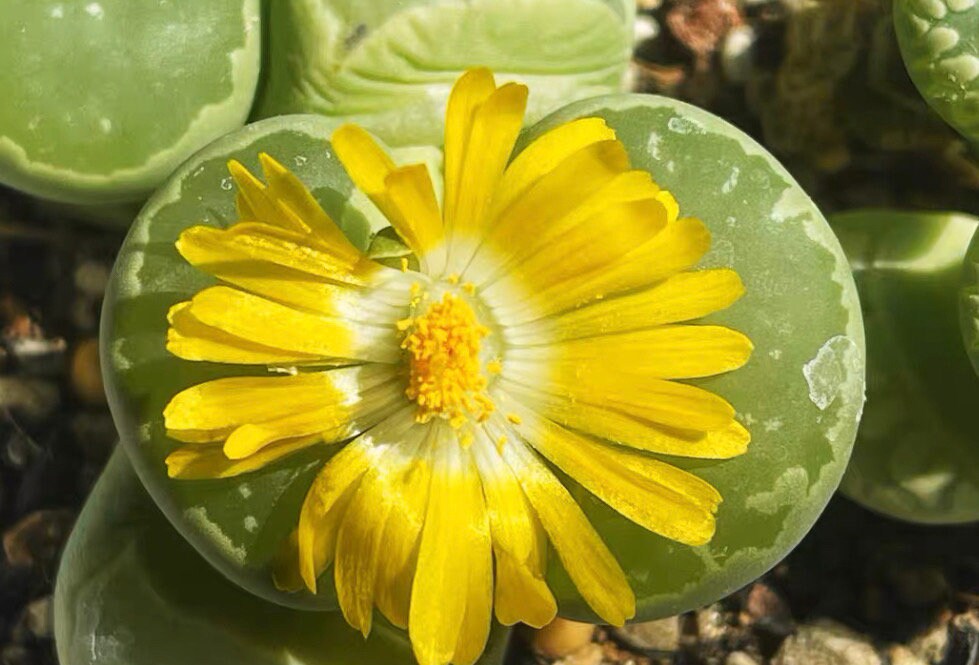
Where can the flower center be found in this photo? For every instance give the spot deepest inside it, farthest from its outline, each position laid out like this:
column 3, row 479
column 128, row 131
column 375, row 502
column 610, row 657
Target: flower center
column 446, row 373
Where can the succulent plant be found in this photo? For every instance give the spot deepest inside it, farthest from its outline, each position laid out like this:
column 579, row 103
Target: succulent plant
column 916, row 456
column 940, row 43
column 389, row 65
column 800, row 395
column 110, row 97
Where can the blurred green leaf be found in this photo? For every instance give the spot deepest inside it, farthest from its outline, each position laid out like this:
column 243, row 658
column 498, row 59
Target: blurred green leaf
column 106, row 98
column 916, row 456
column 389, row 65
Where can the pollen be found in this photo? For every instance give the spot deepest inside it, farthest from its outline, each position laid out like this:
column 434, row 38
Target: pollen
column 446, row 377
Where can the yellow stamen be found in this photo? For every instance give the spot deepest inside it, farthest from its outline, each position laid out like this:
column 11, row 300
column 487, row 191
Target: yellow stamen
column 404, row 264
column 446, row 378
column 514, row 418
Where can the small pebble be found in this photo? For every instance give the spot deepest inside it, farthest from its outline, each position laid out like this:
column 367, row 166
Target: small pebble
column 826, row 643
column 36, row 539
column 901, row 655
column 646, row 27
column 766, row 610
column 590, row 654
column 37, row 356
column 86, row 373
column 562, row 637
column 91, row 278
column 737, row 53
column 740, row 658
column 31, row 398
column 932, row 644
column 659, row 636
column 39, row 618
column 711, row 624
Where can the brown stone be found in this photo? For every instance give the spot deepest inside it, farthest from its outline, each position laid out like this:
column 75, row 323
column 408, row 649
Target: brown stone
column 660, row 636
column 37, row 538
column 86, row 374
column 561, row 637
column 826, row 643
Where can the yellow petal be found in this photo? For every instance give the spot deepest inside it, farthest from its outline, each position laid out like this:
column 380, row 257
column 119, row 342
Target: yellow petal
column 584, row 182
column 365, row 162
column 289, row 192
column 682, row 297
column 325, row 505
column 665, row 352
column 591, row 566
column 495, row 125
column 445, row 558
column 191, row 339
column 477, row 619
column 615, row 404
column 599, row 241
column 521, row 592
column 545, row 153
column 234, row 401
column 660, row 497
column 194, row 462
column 258, row 204
column 675, row 248
column 417, row 218
column 359, row 546
column 204, row 245
column 401, row 537
column 273, row 325
column 404, row 195
column 724, row 442
column 469, row 92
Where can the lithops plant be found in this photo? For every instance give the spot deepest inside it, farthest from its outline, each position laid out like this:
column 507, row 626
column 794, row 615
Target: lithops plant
column 389, row 65
column 105, row 98
column 940, row 43
column 917, row 453
column 477, row 355
column 131, row 591
column 969, row 300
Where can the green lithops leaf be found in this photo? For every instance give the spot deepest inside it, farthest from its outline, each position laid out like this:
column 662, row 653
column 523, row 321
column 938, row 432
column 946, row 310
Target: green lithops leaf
column 389, row 65
column 148, row 84
column 800, row 395
column 969, row 299
column 940, row 43
column 131, row 591
column 916, row 456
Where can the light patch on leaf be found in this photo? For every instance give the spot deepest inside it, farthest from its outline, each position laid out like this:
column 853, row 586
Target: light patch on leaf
column 198, row 517
column 790, row 489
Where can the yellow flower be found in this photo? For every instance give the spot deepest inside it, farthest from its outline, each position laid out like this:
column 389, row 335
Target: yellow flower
column 543, row 320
